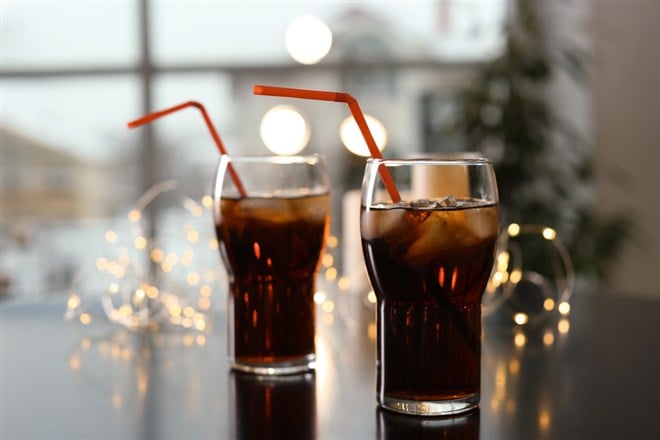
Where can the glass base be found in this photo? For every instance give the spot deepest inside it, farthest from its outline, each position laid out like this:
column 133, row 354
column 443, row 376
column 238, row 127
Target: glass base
column 431, row 408
column 306, row 363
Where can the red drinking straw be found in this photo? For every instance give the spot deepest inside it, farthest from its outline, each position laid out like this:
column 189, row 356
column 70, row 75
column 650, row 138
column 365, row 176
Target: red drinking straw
column 216, row 137
column 353, row 105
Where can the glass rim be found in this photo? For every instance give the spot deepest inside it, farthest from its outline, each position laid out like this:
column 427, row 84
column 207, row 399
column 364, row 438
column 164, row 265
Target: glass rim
column 443, row 159
column 275, row 158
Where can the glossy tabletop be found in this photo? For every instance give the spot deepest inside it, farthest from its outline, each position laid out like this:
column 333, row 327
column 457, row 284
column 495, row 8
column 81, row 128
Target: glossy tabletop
column 594, row 376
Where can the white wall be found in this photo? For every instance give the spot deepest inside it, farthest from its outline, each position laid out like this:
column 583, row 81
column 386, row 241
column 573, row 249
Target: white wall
column 626, row 126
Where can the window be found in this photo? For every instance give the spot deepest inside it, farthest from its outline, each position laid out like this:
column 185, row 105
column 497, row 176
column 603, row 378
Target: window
column 73, row 74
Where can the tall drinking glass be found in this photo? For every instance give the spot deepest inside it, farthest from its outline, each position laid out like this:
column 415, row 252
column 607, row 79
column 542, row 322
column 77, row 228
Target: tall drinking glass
column 271, row 240
column 429, row 257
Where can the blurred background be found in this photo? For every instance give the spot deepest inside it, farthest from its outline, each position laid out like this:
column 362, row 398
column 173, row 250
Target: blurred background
column 563, row 96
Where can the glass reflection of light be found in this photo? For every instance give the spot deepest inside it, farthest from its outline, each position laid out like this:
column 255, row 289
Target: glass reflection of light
column 544, row 419
column 394, row 426
column 514, row 366
column 499, row 393
column 116, row 400
column 125, row 364
column 371, row 330
column 74, row 362
column 279, row 407
column 325, row 378
column 142, row 381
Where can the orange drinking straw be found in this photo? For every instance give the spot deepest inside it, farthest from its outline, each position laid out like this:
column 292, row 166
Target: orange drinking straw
column 353, row 105
column 216, row 137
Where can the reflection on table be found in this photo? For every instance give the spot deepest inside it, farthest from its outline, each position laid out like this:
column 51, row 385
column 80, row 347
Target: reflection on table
column 393, row 426
column 591, row 376
column 273, row 407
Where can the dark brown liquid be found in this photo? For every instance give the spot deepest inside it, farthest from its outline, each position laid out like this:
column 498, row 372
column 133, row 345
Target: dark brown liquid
column 273, row 408
column 393, row 426
column 272, row 249
column 429, row 269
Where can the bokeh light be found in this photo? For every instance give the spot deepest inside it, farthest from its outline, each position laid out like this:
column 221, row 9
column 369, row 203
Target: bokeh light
column 308, row 39
column 284, row 130
column 352, row 138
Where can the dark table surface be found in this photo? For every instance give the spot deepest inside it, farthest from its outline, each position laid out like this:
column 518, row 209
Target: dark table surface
column 595, row 376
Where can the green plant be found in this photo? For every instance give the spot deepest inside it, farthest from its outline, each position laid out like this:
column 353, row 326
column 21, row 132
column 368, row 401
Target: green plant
column 543, row 165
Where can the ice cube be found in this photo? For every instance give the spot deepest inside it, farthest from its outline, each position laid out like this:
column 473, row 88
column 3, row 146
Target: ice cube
column 482, row 222
column 436, row 235
column 447, row 202
column 384, row 223
column 450, row 231
column 308, row 208
column 422, row 203
column 267, row 209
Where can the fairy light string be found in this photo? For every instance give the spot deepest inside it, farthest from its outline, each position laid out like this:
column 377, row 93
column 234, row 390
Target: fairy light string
column 134, row 299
